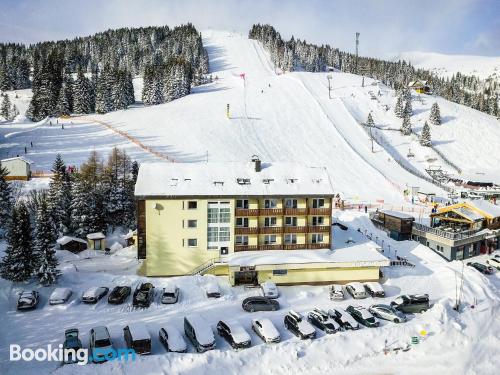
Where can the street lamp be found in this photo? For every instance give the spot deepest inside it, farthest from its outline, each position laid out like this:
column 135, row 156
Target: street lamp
column 329, row 77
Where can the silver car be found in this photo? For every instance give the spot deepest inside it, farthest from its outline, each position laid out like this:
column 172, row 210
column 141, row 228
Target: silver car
column 170, row 294
column 387, row 312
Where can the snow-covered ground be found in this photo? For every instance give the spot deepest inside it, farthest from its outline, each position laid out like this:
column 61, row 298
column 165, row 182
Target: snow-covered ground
column 456, row 343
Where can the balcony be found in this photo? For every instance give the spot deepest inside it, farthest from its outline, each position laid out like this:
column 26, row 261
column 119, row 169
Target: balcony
column 270, row 230
column 246, row 230
column 319, row 229
column 271, row 247
column 317, row 246
column 292, row 229
column 295, row 246
column 246, row 212
column 270, row 211
column 319, row 211
column 295, row 211
column 245, row 248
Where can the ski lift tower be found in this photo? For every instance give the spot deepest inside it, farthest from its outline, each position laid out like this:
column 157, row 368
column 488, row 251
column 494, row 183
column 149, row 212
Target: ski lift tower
column 357, row 46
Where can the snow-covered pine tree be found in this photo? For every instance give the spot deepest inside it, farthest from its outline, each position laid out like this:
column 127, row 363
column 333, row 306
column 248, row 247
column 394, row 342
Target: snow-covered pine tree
column 83, row 96
column 6, row 200
column 18, row 263
column 407, row 109
column 103, row 98
column 5, row 108
column 46, row 262
column 425, row 137
column 406, row 125
column 369, row 120
column 435, row 115
column 398, row 109
column 63, row 107
column 59, row 197
column 14, row 112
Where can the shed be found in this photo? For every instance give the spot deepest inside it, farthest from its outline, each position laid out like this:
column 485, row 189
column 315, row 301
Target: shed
column 96, row 241
column 19, row 168
column 130, row 238
column 420, row 86
column 73, row 244
column 398, row 224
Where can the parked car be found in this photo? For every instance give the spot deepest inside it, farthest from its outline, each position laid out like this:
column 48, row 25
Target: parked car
column 60, row 296
column 28, row 300
column 212, row 290
column 200, row 334
column 487, row 270
column 170, row 294
column 375, row 289
column 137, row 337
column 119, row 294
column 387, row 312
column 266, row 330
column 336, row 292
column 234, row 334
column 257, row 303
column 100, row 344
column 343, row 318
column 269, row 289
column 323, row 321
column 356, row 290
column 94, row 294
column 299, row 326
column 172, row 340
column 494, row 262
column 143, row 295
column 363, row 316
column 409, row 304
column 71, row 341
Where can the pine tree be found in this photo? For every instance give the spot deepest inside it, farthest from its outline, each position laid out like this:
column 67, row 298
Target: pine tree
column 6, row 200
column 406, row 126
column 14, row 112
column 435, row 116
column 369, row 120
column 18, row 263
column 425, row 138
column 59, row 197
column 398, row 109
column 46, row 266
column 5, row 108
column 407, row 110
column 83, row 95
column 63, row 104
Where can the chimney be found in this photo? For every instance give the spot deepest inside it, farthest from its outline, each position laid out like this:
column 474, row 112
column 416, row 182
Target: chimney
column 256, row 161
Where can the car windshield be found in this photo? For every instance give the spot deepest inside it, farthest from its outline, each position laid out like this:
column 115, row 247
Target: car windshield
column 167, row 294
column 102, row 343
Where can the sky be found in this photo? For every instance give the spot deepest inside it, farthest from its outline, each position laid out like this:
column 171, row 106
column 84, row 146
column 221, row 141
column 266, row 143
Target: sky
column 386, row 26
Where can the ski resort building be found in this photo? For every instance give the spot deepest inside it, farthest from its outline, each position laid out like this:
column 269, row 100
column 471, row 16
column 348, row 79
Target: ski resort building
column 461, row 230
column 421, row 87
column 19, row 168
column 250, row 221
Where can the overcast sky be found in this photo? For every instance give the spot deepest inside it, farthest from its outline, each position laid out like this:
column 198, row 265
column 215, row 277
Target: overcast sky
column 386, row 26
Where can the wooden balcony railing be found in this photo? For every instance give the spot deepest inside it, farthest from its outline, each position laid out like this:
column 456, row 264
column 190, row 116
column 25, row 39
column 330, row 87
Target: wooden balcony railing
column 295, row 211
column 319, row 211
column 295, row 229
column 317, row 246
column 246, row 212
column 319, row 228
column 270, row 230
column 245, row 248
column 270, row 211
column 246, row 230
column 271, row 247
column 295, row 246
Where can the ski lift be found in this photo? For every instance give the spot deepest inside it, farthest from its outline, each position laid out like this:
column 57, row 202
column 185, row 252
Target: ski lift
column 410, row 153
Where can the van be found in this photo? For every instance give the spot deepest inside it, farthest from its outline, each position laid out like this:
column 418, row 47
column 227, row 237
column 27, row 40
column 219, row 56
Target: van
column 137, row 337
column 200, row 334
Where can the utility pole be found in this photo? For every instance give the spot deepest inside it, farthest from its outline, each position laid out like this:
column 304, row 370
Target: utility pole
column 371, row 138
column 357, row 45
column 329, row 77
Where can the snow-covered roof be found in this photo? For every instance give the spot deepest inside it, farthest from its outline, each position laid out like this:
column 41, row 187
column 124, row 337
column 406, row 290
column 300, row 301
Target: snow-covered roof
column 469, row 214
column 67, row 239
column 400, row 215
column 139, row 331
column 204, row 333
column 231, row 179
column 96, row 236
column 487, row 207
column 26, row 160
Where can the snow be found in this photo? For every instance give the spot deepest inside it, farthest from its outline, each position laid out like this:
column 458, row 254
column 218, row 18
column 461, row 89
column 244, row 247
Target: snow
column 487, row 207
column 96, row 236
column 374, row 286
column 463, row 211
column 397, row 214
column 139, row 331
column 26, row 160
column 64, row 240
column 204, row 333
column 176, row 341
column 226, row 179
column 267, row 328
column 60, row 294
column 357, row 286
column 212, row 287
column 239, row 334
column 92, row 292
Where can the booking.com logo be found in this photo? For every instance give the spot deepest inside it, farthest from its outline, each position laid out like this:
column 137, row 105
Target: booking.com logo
column 66, row 355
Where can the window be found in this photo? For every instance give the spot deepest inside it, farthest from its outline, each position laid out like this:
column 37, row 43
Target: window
column 291, row 203
column 241, row 240
column 242, row 222
column 318, row 202
column 213, row 215
column 242, row 203
column 224, row 215
column 192, row 223
column 290, row 221
column 270, row 239
column 317, row 238
column 192, row 205
column 318, row 220
column 213, row 234
column 192, row 242
column 280, row 272
column 290, row 239
column 224, row 234
column 270, row 222
column 270, row 203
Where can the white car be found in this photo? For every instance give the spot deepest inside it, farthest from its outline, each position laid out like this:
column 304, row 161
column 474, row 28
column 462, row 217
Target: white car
column 356, row 290
column 266, row 330
column 172, row 339
column 60, row 296
column 170, row 294
column 336, row 292
column 343, row 318
column 387, row 312
column 212, row 290
column 375, row 289
column 269, row 289
column 94, row 294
